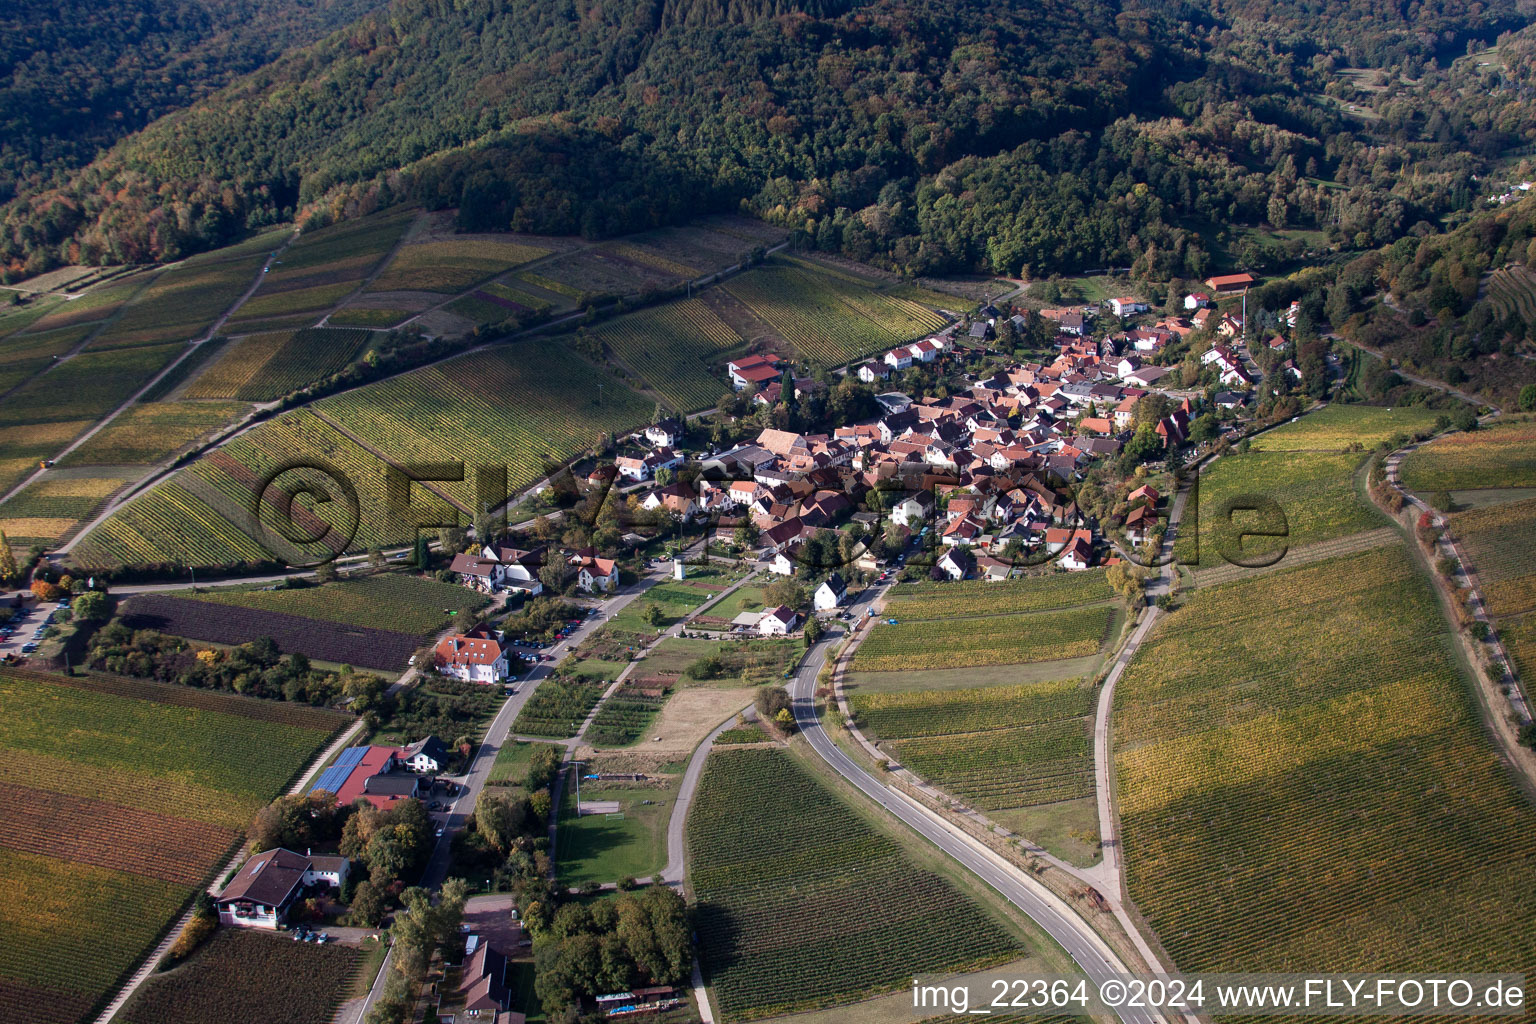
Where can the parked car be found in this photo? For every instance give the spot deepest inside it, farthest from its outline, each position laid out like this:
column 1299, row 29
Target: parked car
column 28, row 648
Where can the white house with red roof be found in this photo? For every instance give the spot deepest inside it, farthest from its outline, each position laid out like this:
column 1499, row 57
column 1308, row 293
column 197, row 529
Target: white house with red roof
column 1127, row 305
column 594, row 574
column 778, row 621
column 750, row 370
column 475, row 657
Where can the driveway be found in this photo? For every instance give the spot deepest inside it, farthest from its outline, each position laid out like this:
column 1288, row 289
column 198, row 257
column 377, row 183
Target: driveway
column 473, row 781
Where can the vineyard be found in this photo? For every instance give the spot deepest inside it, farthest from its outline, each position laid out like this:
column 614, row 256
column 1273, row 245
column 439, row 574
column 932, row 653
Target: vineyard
column 244, row 977
column 1501, row 454
column 360, row 646
column 982, row 597
column 894, row 716
column 451, row 266
column 990, row 640
column 1280, row 743
column 149, row 432
column 1501, row 542
column 1338, row 427
column 624, row 717
column 180, row 304
column 117, row 808
column 308, row 302
column 201, row 516
column 264, row 367
column 35, row 424
column 558, row 707
column 1513, row 291
column 1315, row 492
column 347, row 251
column 364, row 316
column 671, row 347
column 803, row 881
column 22, row 357
column 996, row 747
column 1007, row 768
column 390, row 601
column 52, row 505
column 828, row 319
column 479, row 410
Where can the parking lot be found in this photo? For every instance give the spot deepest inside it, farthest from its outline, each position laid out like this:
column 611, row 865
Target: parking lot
column 26, row 630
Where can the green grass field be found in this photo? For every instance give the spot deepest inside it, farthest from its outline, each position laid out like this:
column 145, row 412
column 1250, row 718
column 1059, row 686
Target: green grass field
column 629, row 843
column 1302, row 769
column 803, row 879
column 117, row 807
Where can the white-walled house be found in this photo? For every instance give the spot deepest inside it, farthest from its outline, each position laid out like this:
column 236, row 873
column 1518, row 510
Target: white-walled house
column 267, row 885
column 425, row 755
column 597, row 574
column 472, row 658
column 832, row 593
column 778, row 621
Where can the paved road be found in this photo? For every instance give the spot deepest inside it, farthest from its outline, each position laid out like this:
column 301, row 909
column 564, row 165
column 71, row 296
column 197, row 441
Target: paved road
column 674, row 872
column 496, row 734
column 1074, row 935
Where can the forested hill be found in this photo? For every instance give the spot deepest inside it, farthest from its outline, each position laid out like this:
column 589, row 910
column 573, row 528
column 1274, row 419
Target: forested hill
column 928, row 135
column 77, row 75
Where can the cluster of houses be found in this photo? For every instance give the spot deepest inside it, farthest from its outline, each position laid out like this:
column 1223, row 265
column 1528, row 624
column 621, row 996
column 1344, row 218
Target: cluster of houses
column 980, row 468
column 495, row 567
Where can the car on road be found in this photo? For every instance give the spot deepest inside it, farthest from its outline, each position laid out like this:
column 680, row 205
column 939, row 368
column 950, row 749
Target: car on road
column 439, row 831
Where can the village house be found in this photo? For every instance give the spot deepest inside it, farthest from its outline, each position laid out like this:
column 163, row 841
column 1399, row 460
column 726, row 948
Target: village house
column 747, row 371
column 476, row 657
column 1127, row 306
column 1196, row 300
column 677, row 499
column 993, row 569
column 832, row 593
column 871, row 372
column 268, row 885
column 483, row 989
column 956, row 563
column 778, row 621
column 664, row 434
column 597, row 574
column 425, row 755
